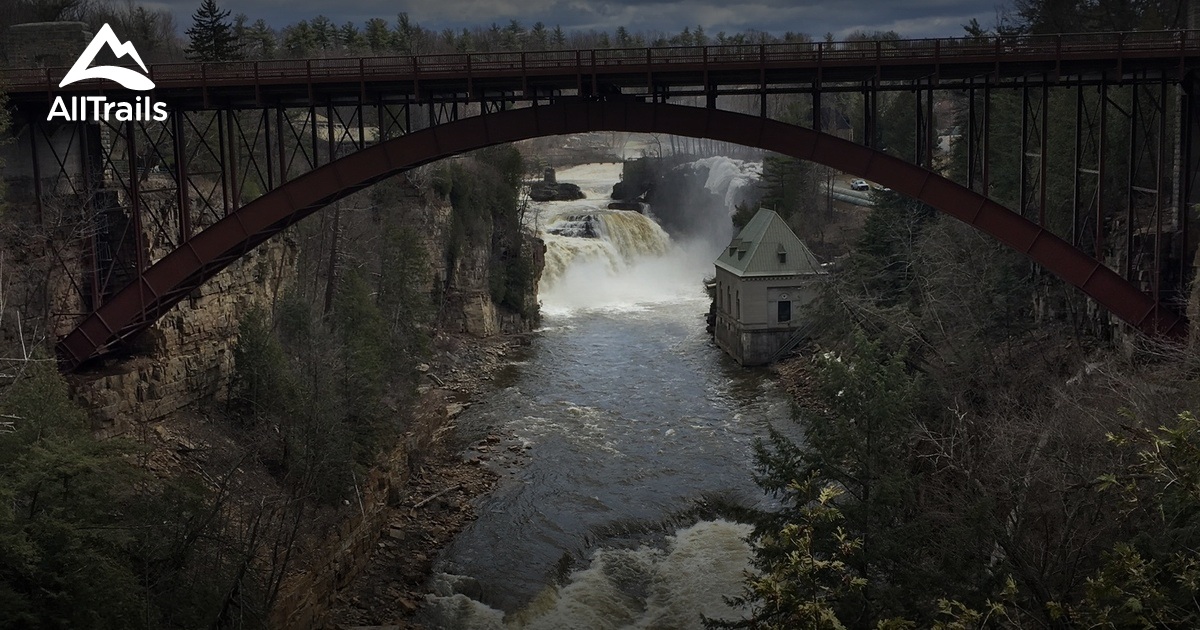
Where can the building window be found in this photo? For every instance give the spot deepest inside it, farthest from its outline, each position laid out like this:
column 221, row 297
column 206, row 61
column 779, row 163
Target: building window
column 783, row 258
column 785, row 310
column 739, row 305
column 728, row 301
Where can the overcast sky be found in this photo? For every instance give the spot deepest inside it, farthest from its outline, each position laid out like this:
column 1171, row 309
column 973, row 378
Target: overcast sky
column 910, row 18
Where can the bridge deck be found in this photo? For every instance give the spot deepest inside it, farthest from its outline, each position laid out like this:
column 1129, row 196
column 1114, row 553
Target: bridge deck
column 696, row 69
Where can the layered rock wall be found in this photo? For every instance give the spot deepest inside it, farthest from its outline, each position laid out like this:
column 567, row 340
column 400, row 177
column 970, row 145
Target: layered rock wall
column 187, row 357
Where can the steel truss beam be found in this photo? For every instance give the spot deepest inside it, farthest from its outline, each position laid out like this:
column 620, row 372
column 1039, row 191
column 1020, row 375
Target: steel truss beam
column 168, row 281
column 1129, row 203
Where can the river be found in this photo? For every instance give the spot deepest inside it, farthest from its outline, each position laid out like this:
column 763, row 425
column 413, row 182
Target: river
column 626, row 430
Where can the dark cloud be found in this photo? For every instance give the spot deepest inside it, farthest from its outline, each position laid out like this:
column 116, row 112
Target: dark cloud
column 911, row 18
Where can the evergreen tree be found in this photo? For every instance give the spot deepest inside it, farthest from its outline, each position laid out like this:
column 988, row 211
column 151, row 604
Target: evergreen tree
column 378, row 35
column 464, row 42
column 299, row 39
column 881, row 264
column 828, row 558
column 539, row 37
column 262, row 39
column 241, row 32
column 260, row 381
column 212, row 36
column 787, row 185
column 63, row 500
column 513, row 37
column 324, row 32
column 406, row 35
column 351, row 38
column 622, row 38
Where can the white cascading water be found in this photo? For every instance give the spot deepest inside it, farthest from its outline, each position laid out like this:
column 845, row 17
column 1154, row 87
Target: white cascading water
column 610, row 259
column 616, row 239
column 729, row 178
column 642, row 588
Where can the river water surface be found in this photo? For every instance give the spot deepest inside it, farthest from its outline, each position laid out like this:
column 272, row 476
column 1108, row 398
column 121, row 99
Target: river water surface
column 626, row 427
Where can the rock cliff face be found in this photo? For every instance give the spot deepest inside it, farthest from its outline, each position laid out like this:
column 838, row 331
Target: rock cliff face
column 187, row 357
column 469, row 305
column 462, row 280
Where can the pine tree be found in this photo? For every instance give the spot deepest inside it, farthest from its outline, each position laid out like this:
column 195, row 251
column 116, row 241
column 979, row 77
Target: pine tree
column 212, row 36
column 324, row 32
column 539, row 37
column 350, row 37
column 299, row 39
column 378, row 35
column 263, row 39
column 404, row 37
column 63, row 501
column 846, row 496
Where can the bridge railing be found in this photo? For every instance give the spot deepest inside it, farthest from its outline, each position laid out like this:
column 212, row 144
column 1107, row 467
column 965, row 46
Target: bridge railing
column 1078, row 46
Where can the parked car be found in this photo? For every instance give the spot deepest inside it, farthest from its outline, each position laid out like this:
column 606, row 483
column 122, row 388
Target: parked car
column 859, row 184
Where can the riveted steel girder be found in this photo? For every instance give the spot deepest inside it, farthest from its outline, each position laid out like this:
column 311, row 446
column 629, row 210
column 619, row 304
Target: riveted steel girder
column 165, row 283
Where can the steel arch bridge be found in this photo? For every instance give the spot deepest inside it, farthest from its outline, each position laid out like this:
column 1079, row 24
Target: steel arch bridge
column 251, row 147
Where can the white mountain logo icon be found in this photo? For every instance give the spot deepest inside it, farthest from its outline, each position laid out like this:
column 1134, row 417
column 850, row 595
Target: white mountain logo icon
column 125, row 76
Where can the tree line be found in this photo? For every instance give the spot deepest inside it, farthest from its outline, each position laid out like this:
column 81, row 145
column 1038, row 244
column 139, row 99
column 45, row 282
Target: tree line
column 218, row 34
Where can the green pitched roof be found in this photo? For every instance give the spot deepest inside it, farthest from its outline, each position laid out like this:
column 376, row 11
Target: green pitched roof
column 756, row 250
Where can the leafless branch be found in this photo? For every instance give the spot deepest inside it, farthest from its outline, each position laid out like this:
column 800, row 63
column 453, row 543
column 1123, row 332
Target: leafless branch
column 426, row 500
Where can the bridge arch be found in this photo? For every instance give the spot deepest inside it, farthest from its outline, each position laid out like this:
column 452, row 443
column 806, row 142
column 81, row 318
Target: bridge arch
column 165, row 283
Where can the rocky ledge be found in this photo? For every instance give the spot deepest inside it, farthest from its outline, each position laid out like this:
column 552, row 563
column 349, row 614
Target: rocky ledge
column 547, row 191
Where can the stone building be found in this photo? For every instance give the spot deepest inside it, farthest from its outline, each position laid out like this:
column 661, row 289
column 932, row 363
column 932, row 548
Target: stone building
column 764, row 277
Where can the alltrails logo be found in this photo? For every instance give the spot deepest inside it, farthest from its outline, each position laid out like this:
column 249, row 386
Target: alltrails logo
column 97, row 108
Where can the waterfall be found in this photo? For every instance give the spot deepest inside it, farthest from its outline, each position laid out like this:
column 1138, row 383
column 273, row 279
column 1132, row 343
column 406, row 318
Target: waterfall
column 609, row 259
column 614, row 238
column 731, row 180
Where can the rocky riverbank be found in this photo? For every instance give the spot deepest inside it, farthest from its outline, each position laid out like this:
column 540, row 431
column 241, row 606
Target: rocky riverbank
column 439, row 498
column 795, row 374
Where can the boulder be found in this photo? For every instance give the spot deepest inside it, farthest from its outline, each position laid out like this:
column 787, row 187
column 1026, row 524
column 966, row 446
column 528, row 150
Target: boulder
column 543, row 191
column 630, row 206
